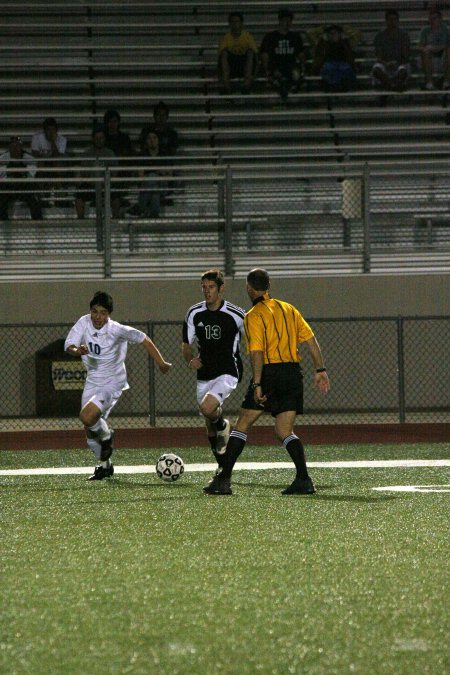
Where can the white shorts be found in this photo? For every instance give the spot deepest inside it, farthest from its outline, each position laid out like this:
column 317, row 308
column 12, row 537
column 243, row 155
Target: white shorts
column 221, row 387
column 104, row 399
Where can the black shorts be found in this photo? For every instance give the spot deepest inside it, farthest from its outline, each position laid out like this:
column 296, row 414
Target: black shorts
column 282, row 383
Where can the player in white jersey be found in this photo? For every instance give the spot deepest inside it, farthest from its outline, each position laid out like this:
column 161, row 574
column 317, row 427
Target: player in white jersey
column 102, row 344
column 214, row 328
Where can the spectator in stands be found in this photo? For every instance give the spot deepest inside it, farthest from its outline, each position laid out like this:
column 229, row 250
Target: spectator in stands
column 115, row 139
column 103, row 157
column 18, row 165
column 237, row 55
column 168, row 145
column 48, row 142
column 120, row 143
column 283, row 56
column 434, row 47
column 392, row 52
column 149, row 201
column 50, row 145
column 334, row 60
column 167, row 135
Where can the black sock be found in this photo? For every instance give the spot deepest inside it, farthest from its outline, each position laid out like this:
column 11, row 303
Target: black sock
column 295, row 449
column 219, row 458
column 234, row 448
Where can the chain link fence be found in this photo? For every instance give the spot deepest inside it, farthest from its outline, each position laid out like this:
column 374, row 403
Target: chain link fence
column 382, row 370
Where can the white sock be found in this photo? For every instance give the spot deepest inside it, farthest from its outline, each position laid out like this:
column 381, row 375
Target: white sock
column 94, row 446
column 106, row 464
column 101, row 429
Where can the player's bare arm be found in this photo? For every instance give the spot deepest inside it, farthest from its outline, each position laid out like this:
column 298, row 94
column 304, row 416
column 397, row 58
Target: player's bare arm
column 320, row 376
column 257, row 361
column 192, row 361
column 153, row 351
column 73, row 350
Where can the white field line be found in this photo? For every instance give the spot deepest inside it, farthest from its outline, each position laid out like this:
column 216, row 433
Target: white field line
column 240, row 466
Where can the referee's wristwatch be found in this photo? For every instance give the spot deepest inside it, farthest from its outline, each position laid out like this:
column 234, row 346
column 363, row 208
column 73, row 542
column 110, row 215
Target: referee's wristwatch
column 255, row 385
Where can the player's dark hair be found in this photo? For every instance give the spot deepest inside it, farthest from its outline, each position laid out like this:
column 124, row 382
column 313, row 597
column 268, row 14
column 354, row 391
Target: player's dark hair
column 103, row 299
column 258, row 279
column 238, row 14
column 214, row 275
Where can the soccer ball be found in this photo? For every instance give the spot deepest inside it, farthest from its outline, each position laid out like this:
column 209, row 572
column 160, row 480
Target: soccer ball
column 169, row 467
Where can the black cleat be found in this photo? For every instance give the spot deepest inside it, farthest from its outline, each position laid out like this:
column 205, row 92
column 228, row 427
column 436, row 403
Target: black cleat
column 107, row 448
column 218, row 486
column 100, row 472
column 300, row 487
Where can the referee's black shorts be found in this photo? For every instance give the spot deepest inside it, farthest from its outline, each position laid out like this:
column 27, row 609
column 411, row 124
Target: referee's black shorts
column 282, row 383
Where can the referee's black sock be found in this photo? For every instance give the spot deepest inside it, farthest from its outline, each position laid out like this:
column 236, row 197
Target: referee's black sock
column 235, row 446
column 295, row 449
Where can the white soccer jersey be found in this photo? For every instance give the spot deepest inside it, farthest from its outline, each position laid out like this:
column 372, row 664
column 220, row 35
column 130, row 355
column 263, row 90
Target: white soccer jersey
column 105, row 363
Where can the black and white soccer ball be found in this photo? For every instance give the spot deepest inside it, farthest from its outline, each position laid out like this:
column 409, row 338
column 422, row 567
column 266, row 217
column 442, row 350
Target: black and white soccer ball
column 169, row 467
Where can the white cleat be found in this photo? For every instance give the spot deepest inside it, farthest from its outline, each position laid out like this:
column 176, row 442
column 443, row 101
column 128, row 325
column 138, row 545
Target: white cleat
column 222, row 438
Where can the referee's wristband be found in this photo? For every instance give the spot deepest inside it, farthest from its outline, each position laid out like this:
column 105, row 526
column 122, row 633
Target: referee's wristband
column 321, row 370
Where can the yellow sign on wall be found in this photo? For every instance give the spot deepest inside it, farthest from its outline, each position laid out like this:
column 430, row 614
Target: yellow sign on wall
column 68, row 375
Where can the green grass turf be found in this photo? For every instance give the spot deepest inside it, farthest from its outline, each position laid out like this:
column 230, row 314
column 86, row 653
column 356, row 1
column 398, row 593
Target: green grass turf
column 132, row 575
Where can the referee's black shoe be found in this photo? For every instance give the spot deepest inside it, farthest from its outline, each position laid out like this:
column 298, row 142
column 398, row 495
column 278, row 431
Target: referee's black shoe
column 300, row 487
column 107, row 448
column 218, row 486
column 101, row 472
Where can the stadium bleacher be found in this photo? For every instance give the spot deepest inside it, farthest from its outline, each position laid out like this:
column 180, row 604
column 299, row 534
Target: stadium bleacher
column 74, row 60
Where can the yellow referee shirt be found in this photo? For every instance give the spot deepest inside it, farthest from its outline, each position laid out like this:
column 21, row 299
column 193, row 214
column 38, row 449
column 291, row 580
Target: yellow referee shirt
column 275, row 328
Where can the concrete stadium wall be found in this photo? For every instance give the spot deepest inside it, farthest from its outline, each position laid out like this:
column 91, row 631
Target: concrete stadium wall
column 330, row 297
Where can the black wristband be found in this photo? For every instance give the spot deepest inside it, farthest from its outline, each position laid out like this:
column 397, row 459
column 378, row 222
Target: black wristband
column 321, row 370
column 255, row 385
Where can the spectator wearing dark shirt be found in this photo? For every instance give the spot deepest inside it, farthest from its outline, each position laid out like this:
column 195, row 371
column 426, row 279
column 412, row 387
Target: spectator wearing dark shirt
column 334, row 60
column 120, row 143
column 167, row 135
column 115, row 139
column 96, row 155
column 17, row 167
column 167, row 146
column 283, row 56
column 392, row 53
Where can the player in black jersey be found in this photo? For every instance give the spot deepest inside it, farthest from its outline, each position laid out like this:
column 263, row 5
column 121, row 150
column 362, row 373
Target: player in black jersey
column 213, row 329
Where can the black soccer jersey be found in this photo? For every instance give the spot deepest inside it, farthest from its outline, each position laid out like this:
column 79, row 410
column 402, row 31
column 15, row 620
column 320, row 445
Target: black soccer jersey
column 217, row 334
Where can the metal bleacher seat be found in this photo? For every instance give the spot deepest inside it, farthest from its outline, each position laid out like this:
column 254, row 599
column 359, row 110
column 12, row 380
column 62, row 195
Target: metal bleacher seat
column 74, row 60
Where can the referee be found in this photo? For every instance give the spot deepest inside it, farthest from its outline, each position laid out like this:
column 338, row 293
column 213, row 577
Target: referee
column 273, row 330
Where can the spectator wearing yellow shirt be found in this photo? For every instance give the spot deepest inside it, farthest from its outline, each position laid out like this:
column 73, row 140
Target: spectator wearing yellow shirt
column 237, row 55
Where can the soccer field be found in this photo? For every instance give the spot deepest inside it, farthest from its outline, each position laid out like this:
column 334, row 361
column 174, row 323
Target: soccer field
column 134, row 575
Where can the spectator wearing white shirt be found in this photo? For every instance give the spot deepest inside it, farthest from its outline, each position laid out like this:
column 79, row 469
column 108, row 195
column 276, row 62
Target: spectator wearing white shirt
column 48, row 142
column 49, row 146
